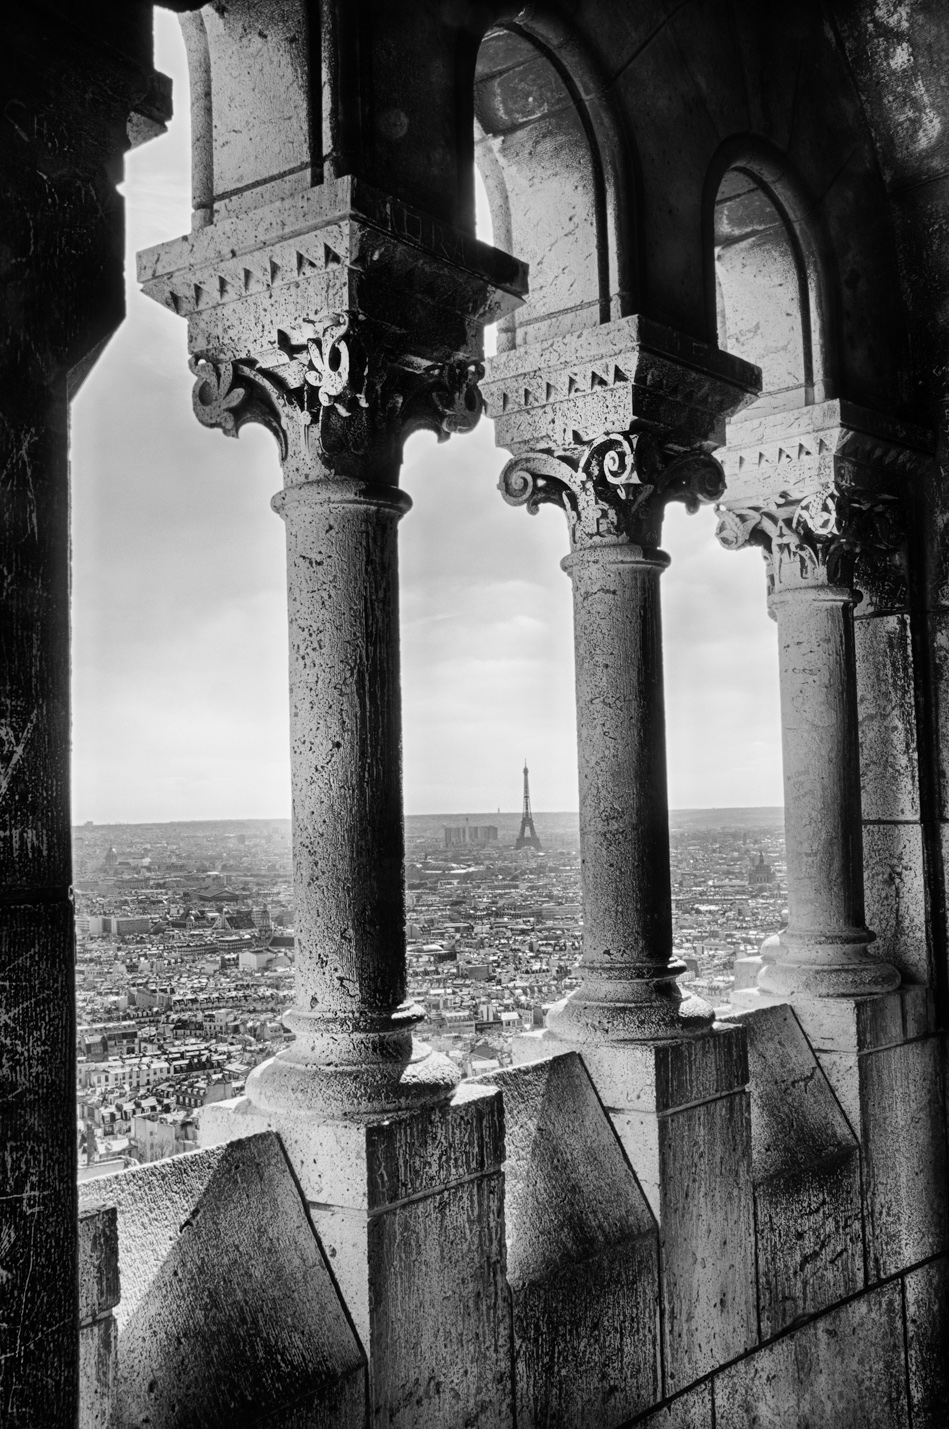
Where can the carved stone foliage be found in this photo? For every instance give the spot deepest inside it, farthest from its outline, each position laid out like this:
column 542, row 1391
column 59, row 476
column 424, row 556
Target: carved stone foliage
column 341, row 394
column 825, row 537
column 616, row 486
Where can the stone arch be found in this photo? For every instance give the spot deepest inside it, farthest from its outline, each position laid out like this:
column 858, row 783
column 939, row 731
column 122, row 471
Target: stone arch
column 543, row 128
column 769, row 288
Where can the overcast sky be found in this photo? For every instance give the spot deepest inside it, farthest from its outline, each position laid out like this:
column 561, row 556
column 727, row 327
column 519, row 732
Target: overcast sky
column 179, row 633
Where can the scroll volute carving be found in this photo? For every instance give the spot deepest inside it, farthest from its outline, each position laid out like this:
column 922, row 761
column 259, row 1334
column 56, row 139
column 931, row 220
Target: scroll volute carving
column 830, row 536
column 616, row 487
column 342, row 396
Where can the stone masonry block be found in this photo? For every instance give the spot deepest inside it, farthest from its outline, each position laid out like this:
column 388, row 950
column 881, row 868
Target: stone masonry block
column 440, row 1258
column 706, row 1237
column 806, row 1173
column 904, row 1150
column 98, row 1296
column 681, row 1112
column 845, row 1369
column 665, row 1076
column 885, row 1068
column 582, row 1254
column 939, row 626
column 886, row 704
column 228, row 1311
column 691, row 1410
column 98, row 1263
column 97, row 1373
column 927, row 1334
column 895, row 884
column 409, row 1210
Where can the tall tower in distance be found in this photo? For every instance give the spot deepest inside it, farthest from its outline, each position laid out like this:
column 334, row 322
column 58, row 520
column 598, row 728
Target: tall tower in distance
column 527, row 838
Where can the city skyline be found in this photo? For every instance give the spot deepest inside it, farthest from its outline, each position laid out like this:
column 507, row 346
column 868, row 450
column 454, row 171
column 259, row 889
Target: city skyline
column 179, row 619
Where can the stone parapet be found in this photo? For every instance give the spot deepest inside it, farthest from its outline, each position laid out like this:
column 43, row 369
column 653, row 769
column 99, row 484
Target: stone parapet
column 681, row 1111
column 410, row 1212
column 228, row 1313
column 583, row 1254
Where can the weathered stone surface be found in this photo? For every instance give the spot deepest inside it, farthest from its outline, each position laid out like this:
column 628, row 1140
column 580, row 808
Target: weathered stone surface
column 706, row 1237
column 927, row 1313
column 568, row 390
column 98, row 1263
column 439, row 1310
column 845, row 1368
column 904, row 1155
column 886, row 704
column 408, row 1208
column 97, row 1373
column 691, row 1410
column 806, row 1173
column 227, row 1313
column 98, row 1296
column 896, row 898
column 582, row 1254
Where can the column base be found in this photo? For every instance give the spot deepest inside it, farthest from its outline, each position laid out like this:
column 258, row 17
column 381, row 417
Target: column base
column 801, row 966
column 355, row 1087
column 608, row 1009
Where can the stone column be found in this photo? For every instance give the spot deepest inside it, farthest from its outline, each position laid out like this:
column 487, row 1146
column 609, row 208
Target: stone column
column 315, row 329
column 354, row 1051
column 811, row 543
column 628, row 987
column 611, row 428
column 821, row 491
column 823, row 950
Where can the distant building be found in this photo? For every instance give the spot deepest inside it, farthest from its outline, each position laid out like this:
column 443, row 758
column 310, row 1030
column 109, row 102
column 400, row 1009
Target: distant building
column 470, row 834
column 760, row 874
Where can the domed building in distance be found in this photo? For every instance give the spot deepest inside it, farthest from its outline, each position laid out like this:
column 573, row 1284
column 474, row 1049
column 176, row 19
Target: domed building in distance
column 760, row 874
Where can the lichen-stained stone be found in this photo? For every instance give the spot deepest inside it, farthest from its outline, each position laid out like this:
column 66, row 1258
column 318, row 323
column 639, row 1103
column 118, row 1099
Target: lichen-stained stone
column 582, row 1254
column 904, row 1145
column 845, row 1369
column 98, row 1296
column 98, row 1263
column 806, row 1173
column 681, row 1112
column 886, row 711
column 896, row 897
column 691, row 1410
column 97, row 1371
column 441, row 1255
column 228, row 1311
column 927, row 1314
column 409, row 1210
column 884, row 1065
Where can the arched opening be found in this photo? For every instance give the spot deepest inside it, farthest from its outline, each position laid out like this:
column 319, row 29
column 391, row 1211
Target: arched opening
column 544, row 186
column 770, row 296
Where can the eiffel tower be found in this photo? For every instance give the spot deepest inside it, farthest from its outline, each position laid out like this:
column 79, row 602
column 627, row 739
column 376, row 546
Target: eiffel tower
column 527, row 838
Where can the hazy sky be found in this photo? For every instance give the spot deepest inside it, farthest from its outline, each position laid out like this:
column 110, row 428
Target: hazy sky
column 179, row 633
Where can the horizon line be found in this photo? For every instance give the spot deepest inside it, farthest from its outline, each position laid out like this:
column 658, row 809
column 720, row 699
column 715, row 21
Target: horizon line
column 437, row 814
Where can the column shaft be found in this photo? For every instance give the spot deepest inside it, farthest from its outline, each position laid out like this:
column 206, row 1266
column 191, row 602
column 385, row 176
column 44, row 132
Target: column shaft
column 354, row 1053
column 822, row 952
column 628, row 989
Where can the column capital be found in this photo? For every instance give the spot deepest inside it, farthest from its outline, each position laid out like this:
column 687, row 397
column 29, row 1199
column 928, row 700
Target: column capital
column 821, row 491
column 339, row 318
column 615, row 488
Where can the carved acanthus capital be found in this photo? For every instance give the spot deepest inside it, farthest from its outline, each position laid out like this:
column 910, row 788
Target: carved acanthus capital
column 819, row 538
column 343, row 391
column 616, row 486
